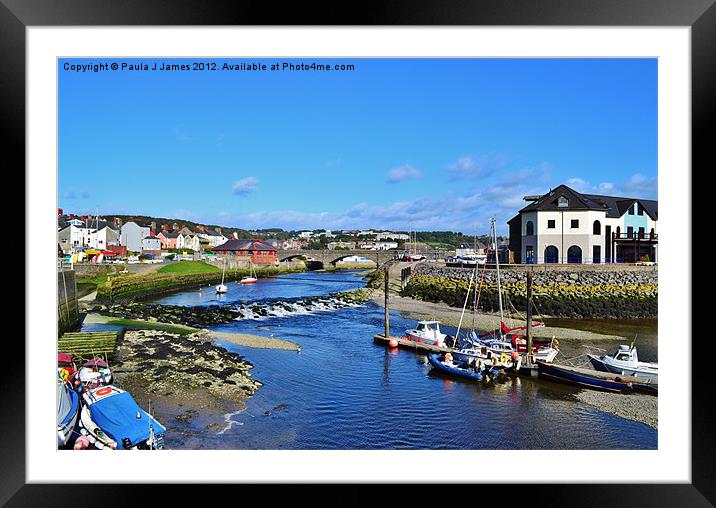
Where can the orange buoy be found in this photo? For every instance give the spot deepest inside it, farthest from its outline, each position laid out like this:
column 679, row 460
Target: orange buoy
column 515, row 355
column 393, row 343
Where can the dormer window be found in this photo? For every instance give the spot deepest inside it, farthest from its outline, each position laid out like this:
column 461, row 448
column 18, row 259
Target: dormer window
column 562, row 202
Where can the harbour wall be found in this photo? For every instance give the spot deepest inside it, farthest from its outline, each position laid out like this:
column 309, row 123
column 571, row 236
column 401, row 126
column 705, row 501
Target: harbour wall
column 579, row 293
column 68, row 316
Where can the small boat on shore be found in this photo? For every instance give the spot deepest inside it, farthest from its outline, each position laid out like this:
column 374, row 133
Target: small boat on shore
column 94, row 373
column 625, row 361
column 587, row 378
column 68, row 405
column 111, row 419
column 66, row 367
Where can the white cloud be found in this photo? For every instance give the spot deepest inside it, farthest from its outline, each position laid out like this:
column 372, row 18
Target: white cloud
column 466, row 167
column 636, row 186
column 405, row 172
column 246, row 186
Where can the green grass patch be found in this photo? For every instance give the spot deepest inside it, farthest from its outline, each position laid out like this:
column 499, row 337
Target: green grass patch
column 189, row 267
column 138, row 324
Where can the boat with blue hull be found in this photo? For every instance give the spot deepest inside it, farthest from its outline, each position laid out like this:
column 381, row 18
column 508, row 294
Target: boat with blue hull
column 68, row 406
column 587, row 378
column 474, row 371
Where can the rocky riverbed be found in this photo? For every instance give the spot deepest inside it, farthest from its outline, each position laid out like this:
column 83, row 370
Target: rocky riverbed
column 210, row 315
column 188, row 382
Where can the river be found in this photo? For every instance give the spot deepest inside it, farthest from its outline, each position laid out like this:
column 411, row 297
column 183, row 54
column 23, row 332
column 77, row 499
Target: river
column 343, row 391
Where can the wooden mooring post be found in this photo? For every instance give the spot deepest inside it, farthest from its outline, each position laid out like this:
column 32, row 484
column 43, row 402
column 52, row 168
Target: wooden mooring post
column 529, row 318
column 387, row 310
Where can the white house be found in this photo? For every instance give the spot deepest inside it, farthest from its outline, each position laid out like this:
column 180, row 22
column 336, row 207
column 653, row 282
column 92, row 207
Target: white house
column 151, row 243
column 565, row 226
column 132, row 234
column 71, row 238
column 188, row 241
column 102, row 238
column 214, row 237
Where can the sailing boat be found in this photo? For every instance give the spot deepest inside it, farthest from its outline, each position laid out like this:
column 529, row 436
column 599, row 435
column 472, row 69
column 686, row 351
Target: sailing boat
column 502, row 342
column 251, row 278
column 221, row 288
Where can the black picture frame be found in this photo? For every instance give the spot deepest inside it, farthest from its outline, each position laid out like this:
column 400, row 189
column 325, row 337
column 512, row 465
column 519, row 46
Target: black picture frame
column 700, row 15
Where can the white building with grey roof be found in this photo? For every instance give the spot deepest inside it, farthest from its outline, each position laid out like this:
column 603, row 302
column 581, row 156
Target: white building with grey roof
column 565, row 226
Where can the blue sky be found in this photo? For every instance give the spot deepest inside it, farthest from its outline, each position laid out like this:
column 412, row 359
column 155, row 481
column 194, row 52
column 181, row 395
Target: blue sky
column 426, row 144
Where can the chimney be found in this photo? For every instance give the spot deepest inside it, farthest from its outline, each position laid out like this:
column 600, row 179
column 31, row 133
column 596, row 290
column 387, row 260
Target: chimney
column 218, row 230
column 153, row 227
column 236, row 235
column 175, row 226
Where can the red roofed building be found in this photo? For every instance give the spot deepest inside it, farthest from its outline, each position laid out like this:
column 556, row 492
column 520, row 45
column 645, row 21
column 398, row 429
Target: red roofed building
column 258, row 252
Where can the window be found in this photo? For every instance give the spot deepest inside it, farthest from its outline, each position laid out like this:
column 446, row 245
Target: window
column 530, row 228
column 641, row 232
column 597, row 228
column 575, row 223
column 631, row 209
column 630, row 232
column 562, row 202
column 550, row 224
column 597, row 254
column 639, row 209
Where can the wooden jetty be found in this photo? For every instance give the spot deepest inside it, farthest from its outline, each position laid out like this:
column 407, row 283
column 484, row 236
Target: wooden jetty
column 411, row 344
column 87, row 344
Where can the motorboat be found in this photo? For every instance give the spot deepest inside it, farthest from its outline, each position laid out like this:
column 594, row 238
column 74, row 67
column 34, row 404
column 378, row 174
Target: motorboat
column 94, row 373
column 587, row 378
column 68, row 405
column 111, row 419
column 625, row 361
column 427, row 332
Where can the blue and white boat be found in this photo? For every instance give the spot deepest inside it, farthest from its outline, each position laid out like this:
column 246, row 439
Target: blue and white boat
column 111, row 419
column 68, row 405
column 625, row 361
column 586, row 378
column 446, row 364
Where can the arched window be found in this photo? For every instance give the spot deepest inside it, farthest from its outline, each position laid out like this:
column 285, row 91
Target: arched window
column 597, row 228
column 551, row 254
column 530, row 228
column 574, row 254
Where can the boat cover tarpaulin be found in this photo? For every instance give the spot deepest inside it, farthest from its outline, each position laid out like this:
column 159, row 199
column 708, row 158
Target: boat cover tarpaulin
column 64, row 358
column 67, row 403
column 117, row 416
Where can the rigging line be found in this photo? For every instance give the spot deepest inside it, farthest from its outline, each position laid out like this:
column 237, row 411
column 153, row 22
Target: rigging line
column 467, row 296
column 477, row 295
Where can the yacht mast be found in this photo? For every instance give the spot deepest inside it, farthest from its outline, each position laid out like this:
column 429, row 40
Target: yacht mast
column 497, row 267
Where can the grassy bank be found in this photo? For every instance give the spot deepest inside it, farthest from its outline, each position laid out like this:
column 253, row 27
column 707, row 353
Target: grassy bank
column 618, row 301
column 189, row 267
column 193, row 274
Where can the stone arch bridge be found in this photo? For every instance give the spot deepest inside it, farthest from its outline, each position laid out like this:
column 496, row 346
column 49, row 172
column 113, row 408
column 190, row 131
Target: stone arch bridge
column 331, row 257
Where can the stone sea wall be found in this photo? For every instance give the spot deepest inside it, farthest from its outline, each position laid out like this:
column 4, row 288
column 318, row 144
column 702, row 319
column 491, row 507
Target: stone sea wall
column 610, row 294
column 67, row 309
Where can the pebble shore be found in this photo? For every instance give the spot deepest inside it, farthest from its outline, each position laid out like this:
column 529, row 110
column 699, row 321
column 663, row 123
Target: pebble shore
column 637, row 407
